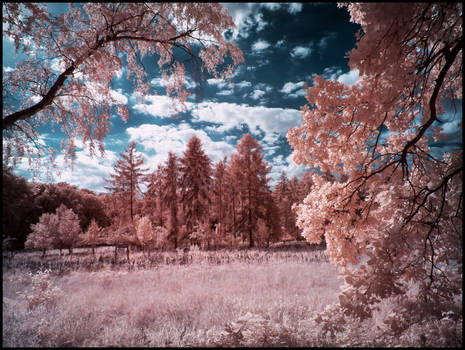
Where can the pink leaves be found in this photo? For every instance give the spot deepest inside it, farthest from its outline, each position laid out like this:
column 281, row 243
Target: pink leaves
column 90, row 40
column 396, row 204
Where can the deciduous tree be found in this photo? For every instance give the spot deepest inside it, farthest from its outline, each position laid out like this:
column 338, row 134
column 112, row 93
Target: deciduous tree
column 43, row 233
column 396, row 220
column 72, row 57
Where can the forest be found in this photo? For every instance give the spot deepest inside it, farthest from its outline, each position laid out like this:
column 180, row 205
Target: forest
column 187, row 201
column 365, row 250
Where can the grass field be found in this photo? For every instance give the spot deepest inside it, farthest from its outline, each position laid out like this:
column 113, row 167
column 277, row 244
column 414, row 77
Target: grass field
column 216, row 298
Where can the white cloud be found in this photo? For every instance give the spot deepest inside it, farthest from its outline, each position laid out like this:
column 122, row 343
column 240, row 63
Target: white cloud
column 293, row 90
column 247, row 15
column 263, row 86
column 220, row 83
column 243, row 84
column 335, row 73
column 256, row 94
column 349, row 78
column 188, row 83
column 231, row 115
column 86, row 172
column 294, row 7
column 331, row 73
column 225, row 92
column 118, row 96
column 169, row 138
column 260, row 45
column 300, row 52
column 159, row 106
column 289, row 166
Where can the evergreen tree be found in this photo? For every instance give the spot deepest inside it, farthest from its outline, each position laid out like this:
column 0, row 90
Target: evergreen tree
column 218, row 197
column 195, row 184
column 153, row 204
column 249, row 172
column 126, row 180
column 170, row 196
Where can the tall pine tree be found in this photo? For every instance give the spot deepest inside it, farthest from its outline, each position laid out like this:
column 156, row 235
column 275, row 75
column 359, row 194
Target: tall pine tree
column 195, row 183
column 219, row 197
column 170, row 196
column 125, row 182
column 249, row 172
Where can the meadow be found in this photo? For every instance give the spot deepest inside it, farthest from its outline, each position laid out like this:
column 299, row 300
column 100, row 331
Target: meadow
column 188, row 299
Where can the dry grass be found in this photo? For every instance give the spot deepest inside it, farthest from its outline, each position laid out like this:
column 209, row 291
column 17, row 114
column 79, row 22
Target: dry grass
column 217, row 298
column 167, row 305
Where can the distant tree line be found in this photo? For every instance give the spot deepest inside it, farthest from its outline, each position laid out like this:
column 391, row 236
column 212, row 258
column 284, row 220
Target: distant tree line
column 187, row 200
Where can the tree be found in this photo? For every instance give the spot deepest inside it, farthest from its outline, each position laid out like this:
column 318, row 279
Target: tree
column 250, row 171
column 43, row 233
column 153, row 203
column 195, row 183
column 91, row 236
column 69, row 228
column 396, row 220
column 125, row 182
column 17, row 208
column 72, row 57
column 284, row 198
column 144, row 232
column 60, row 230
column 170, row 196
column 218, row 196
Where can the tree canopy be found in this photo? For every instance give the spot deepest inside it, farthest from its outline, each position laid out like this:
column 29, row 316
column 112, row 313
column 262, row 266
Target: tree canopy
column 72, row 57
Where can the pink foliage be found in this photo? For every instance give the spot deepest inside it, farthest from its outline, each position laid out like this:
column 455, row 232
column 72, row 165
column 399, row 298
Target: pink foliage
column 72, row 57
column 394, row 215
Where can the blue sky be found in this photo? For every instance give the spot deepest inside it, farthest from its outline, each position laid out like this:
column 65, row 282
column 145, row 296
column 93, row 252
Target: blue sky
column 284, row 45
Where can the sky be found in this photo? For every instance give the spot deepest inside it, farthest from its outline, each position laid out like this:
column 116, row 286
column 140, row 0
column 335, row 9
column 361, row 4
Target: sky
column 284, row 46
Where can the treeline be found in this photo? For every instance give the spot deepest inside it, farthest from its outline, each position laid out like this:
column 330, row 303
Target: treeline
column 187, row 200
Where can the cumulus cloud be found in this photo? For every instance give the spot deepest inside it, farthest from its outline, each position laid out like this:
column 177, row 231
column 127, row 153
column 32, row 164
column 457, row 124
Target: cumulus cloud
column 157, row 106
column 245, row 16
column 258, row 118
column 260, row 45
column 86, row 172
column 335, row 73
column 169, row 138
column 220, row 83
column 118, row 96
column 349, row 78
column 188, row 83
column 331, row 73
column 300, row 52
column 225, row 92
column 256, row 94
column 293, row 90
column 243, row 84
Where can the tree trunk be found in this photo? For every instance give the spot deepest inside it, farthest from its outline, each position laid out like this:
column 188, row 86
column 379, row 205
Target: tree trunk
column 43, row 252
column 116, row 252
column 127, row 252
